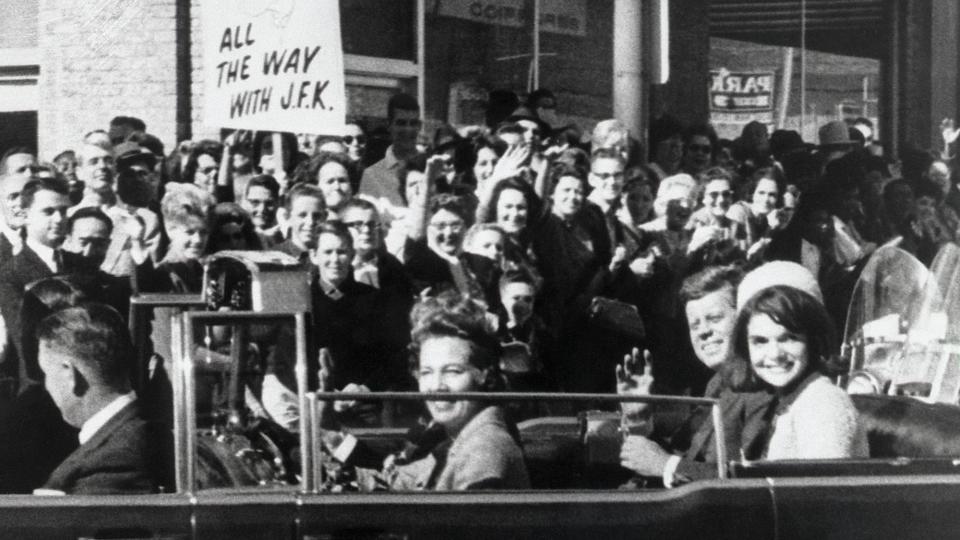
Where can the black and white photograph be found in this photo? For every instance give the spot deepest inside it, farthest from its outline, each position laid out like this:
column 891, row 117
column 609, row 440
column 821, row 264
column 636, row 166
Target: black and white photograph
column 479, row 269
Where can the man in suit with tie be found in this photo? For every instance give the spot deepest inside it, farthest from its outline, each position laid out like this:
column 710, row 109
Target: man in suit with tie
column 85, row 354
column 11, row 240
column 45, row 202
column 710, row 299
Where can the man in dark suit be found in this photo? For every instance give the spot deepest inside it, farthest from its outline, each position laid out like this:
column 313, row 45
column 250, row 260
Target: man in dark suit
column 374, row 266
column 45, row 202
column 11, row 241
column 85, row 354
column 348, row 319
column 710, row 303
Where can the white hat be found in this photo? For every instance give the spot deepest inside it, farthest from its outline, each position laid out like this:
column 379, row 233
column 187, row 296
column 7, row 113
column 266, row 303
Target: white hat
column 776, row 273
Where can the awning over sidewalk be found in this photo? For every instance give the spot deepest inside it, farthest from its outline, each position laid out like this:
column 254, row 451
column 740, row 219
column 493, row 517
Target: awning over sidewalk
column 847, row 27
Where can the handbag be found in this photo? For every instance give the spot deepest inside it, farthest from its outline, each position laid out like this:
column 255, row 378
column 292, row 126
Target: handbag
column 618, row 317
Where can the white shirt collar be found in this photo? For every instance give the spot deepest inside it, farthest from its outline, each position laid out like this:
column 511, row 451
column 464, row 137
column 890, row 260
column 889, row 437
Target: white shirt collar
column 45, row 253
column 100, row 419
column 331, row 290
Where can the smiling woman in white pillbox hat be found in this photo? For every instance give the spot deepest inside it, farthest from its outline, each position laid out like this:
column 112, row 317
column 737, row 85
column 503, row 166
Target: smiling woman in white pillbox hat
column 778, row 273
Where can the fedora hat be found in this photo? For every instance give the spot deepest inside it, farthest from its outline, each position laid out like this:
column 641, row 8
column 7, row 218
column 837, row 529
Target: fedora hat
column 835, row 134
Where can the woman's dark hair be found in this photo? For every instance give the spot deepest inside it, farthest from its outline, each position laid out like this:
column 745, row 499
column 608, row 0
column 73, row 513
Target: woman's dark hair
column 227, row 213
column 484, row 141
column 799, row 313
column 574, row 159
column 561, row 170
column 764, row 173
column 452, row 314
column 208, row 147
column 517, row 184
column 307, row 173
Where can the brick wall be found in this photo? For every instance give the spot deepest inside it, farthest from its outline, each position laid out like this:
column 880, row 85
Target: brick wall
column 199, row 129
column 102, row 58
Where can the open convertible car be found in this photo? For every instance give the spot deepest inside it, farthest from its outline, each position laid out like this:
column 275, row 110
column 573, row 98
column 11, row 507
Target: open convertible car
column 241, row 475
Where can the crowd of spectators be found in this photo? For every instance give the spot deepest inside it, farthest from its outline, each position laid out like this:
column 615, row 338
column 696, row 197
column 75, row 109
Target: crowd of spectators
column 578, row 249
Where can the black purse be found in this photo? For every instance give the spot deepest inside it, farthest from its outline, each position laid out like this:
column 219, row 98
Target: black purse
column 618, row 317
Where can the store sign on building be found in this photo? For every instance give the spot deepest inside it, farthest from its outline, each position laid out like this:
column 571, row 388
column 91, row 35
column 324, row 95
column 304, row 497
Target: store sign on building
column 556, row 16
column 274, row 65
column 737, row 98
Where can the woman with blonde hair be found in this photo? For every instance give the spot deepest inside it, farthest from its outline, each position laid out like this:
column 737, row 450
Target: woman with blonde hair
column 186, row 210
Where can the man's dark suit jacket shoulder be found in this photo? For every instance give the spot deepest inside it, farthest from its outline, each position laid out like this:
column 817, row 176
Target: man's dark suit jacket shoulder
column 15, row 274
column 6, row 249
column 34, row 440
column 744, row 423
column 397, row 297
column 355, row 328
column 126, row 455
column 427, row 269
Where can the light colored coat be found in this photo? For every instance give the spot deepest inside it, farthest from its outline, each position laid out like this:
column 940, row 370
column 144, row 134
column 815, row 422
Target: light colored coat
column 483, row 455
column 818, row 422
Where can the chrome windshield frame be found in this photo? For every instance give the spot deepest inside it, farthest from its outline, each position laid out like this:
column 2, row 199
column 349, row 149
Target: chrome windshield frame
column 184, row 376
column 716, row 415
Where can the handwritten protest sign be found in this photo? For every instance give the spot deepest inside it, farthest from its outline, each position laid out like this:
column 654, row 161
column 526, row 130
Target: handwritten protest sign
column 273, row 65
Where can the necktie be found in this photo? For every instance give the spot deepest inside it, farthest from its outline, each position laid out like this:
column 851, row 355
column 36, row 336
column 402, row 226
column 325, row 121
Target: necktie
column 57, row 261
